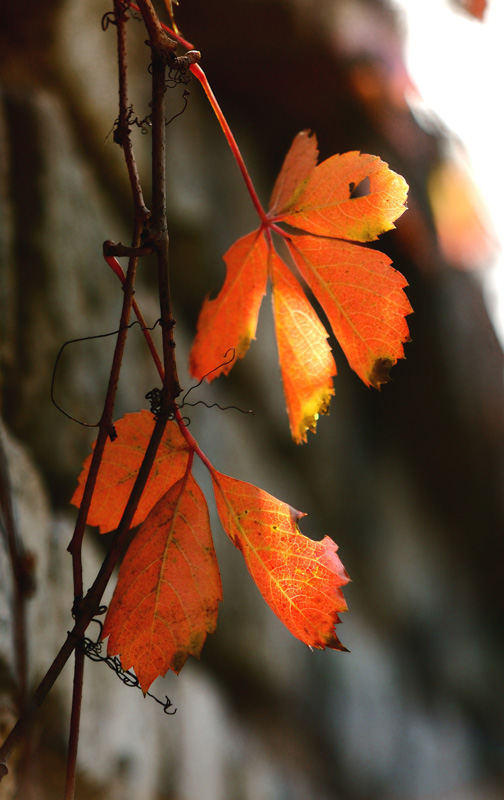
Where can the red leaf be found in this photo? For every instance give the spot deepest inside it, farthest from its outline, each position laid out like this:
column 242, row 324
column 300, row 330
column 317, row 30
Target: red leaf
column 325, row 204
column 363, row 298
column 299, row 579
column 230, row 320
column 305, row 357
column 169, row 588
column 299, row 162
column 120, row 465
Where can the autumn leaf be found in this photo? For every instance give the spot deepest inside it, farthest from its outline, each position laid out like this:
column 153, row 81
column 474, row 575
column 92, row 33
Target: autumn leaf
column 306, row 361
column 476, row 8
column 328, row 203
column 120, row 464
column 460, row 217
column 300, row 579
column 345, row 200
column 229, row 321
column 299, row 162
column 169, row 587
column 363, row 298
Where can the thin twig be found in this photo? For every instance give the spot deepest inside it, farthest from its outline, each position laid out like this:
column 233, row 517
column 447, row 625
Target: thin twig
column 122, row 137
column 159, row 228
column 122, row 130
column 73, row 739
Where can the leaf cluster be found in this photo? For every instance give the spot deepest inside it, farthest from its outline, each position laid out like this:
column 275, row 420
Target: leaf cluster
column 169, row 588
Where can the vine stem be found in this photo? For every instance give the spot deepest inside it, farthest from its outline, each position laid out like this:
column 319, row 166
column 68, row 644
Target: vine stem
column 121, row 137
column 73, row 739
column 191, row 441
column 175, row 34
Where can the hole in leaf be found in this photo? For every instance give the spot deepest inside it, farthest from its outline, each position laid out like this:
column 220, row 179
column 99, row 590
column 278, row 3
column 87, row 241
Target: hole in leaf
column 362, row 189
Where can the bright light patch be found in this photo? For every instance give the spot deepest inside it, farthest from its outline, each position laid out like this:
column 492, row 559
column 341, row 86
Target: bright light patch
column 456, row 63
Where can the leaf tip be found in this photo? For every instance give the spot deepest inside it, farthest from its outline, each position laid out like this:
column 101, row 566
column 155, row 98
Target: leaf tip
column 312, row 412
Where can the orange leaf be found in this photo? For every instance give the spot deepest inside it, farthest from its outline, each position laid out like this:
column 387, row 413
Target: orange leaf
column 464, row 234
column 230, row 320
column 169, row 588
column 120, row 465
column 299, row 579
column 306, row 361
column 476, row 8
column 298, row 164
column 363, row 298
column 326, row 204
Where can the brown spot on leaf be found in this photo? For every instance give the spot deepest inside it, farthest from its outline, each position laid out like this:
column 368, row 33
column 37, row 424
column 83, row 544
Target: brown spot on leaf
column 381, row 372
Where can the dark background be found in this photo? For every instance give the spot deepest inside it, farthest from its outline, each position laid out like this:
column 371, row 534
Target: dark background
column 408, row 481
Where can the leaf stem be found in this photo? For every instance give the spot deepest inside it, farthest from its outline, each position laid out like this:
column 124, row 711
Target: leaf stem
column 117, row 269
column 191, row 441
column 200, row 75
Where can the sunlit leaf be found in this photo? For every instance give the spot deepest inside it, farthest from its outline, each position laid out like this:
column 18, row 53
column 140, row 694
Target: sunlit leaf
column 229, row 321
column 352, row 196
column 300, row 579
column 119, row 468
column 306, row 361
column 363, row 298
column 299, row 162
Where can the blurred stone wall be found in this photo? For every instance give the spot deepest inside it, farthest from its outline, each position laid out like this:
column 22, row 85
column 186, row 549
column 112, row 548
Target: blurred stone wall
column 407, row 481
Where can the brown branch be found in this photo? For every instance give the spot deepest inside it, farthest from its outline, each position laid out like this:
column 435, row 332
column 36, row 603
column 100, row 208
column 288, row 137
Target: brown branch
column 160, row 42
column 73, row 739
column 122, row 130
column 118, row 250
column 159, row 230
column 122, row 137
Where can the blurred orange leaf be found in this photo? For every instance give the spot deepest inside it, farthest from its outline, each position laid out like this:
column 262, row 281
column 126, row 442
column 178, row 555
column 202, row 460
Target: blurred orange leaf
column 476, row 8
column 460, row 216
column 119, row 468
column 169, row 587
column 300, row 579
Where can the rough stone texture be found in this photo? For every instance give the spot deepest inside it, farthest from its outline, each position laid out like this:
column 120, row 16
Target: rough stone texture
column 407, row 481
